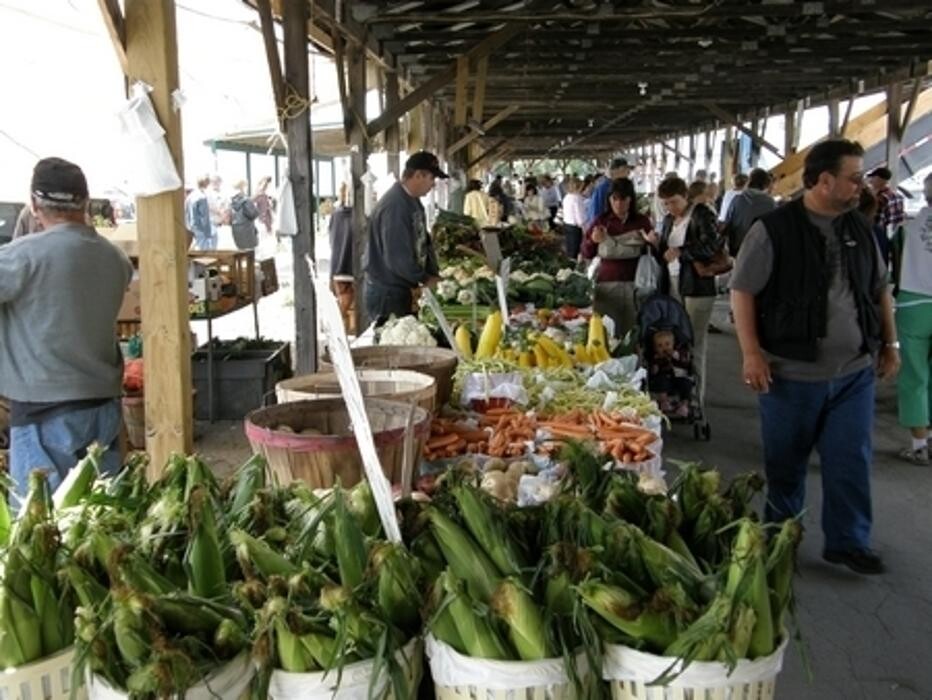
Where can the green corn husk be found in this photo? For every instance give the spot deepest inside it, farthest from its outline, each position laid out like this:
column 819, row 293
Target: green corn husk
column 293, row 656
column 742, row 629
column 361, row 503
column 325, row 650
column 130, row 630
column 747, row 583
column 349, row 543
column 203, row 560
column 250, row 478
column 128, row 566
column 781, row 565
column 88, row 590
column 441, row 623
column 484, row 523
column 623, row 499
column 708, row 638
column 480, row 639
column 20, row 639
column 693, row 487
column 37, row 508
column 397, row 590
column 426, row 550
column 655, row 629
column 312, row 517
column 256, row 557
column 466, row 559
column 56, row 618
column 666, row 567
column 76, row 485
column 709, row 543
column 741, row 491
column 516, row 608
column 188, row 615
column 229, row 639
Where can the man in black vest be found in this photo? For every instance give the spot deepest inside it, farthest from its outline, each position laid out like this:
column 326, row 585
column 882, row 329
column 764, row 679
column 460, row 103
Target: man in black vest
column 815, row 323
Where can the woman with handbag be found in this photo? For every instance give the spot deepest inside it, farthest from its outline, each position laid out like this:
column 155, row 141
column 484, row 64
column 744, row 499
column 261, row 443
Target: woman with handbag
column 619, row 236
column 695, row 253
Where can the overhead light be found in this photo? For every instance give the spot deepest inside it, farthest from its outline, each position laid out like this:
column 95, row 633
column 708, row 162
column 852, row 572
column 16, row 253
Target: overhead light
column 705, row 43
column 642, row 88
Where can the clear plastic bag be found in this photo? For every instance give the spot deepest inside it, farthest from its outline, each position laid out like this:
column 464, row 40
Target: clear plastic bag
column 647, row 276
column 150, row 167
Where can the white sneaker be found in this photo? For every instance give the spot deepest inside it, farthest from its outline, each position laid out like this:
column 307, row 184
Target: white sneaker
column 919, row 456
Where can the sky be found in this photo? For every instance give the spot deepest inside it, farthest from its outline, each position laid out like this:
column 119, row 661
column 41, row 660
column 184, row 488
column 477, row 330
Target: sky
column 61, row 86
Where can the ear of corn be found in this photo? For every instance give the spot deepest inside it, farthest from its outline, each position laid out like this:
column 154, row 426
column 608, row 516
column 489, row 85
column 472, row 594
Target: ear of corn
column 293, row 656
column 250, row 478
column 361, row 505
column 464, row 341
column 441, row 622
column 490, row 337
column 20, row 639
column 130, row 631
column 485, row 525
column 77, row 483
column 514, row 606
column 475, row 630
column 747, row 583
column 203, row 561
column 781, row 565
column 466, row 559
column 626, row 613
column 255, row 555
column 397, row 591
column 349, row 543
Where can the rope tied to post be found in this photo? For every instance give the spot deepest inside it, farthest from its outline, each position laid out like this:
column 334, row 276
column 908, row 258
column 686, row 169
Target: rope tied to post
column 294, row 105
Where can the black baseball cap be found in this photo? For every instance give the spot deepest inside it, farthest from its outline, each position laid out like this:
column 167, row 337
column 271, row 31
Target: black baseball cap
column 619, row 163
column 58, row 180
column 425, row 160
column 881, row 172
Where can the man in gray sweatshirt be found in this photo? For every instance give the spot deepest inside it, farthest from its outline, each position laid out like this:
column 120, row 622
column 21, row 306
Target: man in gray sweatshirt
column 60, row 364
column 400, row 257
column 747, row 207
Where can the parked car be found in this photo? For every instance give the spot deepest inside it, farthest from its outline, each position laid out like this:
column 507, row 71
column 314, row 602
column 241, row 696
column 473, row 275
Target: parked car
column 9, row 212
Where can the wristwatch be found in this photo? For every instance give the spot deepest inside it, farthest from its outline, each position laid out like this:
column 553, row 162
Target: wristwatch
column 895, row 345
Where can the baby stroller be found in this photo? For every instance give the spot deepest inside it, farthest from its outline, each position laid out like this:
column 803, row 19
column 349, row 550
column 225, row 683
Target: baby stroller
column 665, row 344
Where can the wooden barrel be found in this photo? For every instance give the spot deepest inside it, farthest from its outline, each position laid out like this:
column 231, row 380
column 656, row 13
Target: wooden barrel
column 390, row 384
column 440, row 363
column 312, row 441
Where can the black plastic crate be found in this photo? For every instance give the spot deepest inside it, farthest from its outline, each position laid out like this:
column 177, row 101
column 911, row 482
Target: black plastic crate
column 243, row 381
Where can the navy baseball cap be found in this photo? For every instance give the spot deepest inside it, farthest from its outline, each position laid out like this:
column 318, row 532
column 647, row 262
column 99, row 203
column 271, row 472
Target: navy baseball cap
column 58, row 180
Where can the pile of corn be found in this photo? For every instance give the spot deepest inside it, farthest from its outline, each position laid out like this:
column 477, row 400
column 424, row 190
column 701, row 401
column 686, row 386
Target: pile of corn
column 322, row 585
column 688, row 574
column 152, row 572
column 36, row 610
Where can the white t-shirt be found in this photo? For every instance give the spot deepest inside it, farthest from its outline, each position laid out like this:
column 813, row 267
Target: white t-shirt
column 916, row 273
column 574, row 210
column 676, row 240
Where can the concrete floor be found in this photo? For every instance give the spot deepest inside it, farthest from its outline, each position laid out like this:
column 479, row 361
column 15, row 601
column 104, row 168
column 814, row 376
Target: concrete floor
column 864, row 637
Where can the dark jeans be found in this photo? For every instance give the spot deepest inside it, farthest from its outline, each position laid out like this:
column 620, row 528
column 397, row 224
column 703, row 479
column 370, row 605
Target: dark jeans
column 834, row 417
column 384, row 301
column 572, row 240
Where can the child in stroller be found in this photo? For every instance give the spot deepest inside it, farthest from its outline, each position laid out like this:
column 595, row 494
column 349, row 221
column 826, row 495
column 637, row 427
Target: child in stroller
column 665, row 338
column 668, row 374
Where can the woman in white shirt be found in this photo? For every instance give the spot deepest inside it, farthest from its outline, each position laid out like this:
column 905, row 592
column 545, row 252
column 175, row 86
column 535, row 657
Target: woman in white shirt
column 534, row 210
column 476, row 203
column 574, row 217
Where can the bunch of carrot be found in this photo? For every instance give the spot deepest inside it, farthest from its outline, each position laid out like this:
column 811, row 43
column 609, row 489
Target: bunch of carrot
column 617, row 436
column 450, row 438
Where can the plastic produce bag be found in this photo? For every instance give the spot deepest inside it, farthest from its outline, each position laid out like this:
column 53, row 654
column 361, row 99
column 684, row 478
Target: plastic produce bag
column 150, row 167
column 482, row 387
column 647, row 276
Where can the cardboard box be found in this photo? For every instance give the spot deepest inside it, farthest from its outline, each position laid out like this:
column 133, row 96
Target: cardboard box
column 131, row 309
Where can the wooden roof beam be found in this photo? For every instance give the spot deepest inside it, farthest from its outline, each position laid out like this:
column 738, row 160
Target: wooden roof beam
column 116, row 28
column 441, row 79
column 485, row 128
column 728, row 119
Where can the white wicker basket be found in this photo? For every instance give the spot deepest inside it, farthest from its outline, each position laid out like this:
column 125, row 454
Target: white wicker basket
column 229, row 682
column 458, row 677
column 46, row 679
column 630, row 673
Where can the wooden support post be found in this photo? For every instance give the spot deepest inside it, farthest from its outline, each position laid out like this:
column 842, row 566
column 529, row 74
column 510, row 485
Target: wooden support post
column 711, row 136
column 894, row 141
column 834, row 127
column 359, row 153
column 300, row 172
column 267, row 26
column 790, row 137
column 755, row 144
column 800, row 117
column 392, row 133
column 486, row 127
column 478, row 95
column 152, row 56
column 847, row 118
column 116, row 28
column 462, row 92
column 729, row 153
column 692, row 156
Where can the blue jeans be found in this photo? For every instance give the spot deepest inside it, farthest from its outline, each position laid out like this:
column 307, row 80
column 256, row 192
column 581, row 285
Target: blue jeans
column 57, row 443
column 834, row 417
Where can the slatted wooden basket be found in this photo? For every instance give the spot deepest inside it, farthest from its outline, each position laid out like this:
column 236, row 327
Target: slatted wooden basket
column 440, row 363
column 390, row 384
column 312, row 441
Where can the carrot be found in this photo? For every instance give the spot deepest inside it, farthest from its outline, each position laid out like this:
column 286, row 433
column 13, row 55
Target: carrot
column 441, row 441
column 472, row 435
column 501, row 412
column 646, row 439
